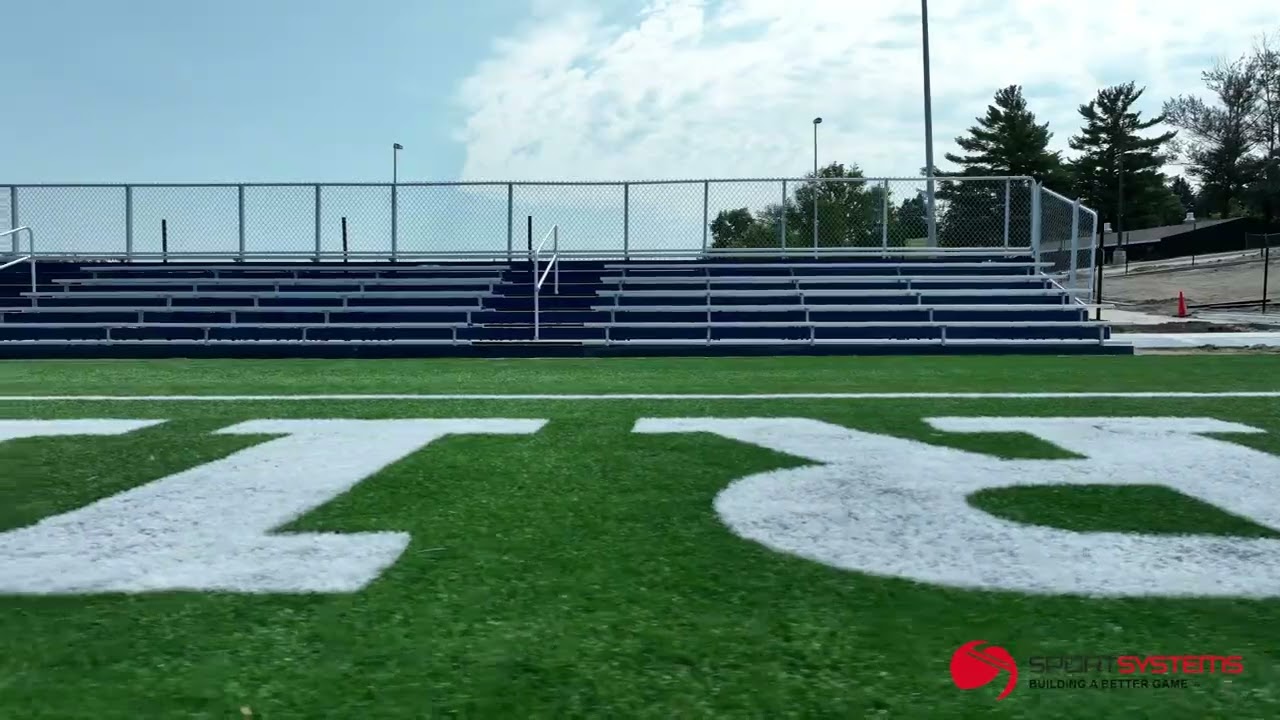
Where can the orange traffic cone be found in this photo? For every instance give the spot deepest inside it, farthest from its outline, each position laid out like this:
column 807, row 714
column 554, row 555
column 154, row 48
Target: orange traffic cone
column 1182, row 305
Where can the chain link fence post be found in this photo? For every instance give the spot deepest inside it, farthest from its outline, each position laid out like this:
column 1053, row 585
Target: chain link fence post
column 395, row 220
column 782, row 223
column 706, row 221
column 13, row 214
column 932, row 210
column 1075, row 242
column 1035, row 222
column 240, row 216
column 816, row 187
column 317, row 227
column 1008, row 190
column 128, row 222
column 884, row 218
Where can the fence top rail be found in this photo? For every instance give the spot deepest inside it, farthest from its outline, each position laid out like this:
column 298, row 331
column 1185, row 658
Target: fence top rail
column 1060, row 196
column 612, row 253
column 505, row 183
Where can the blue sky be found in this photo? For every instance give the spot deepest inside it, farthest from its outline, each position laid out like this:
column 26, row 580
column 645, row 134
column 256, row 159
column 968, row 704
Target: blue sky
column 284, row 90
column 165, row 90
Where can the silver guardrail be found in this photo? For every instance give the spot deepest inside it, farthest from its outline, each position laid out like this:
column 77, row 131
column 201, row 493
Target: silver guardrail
column 30, row 257
column 554, row 235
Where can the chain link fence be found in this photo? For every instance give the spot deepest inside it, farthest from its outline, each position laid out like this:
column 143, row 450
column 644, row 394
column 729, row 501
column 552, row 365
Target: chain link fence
column 6, row 216
column 651, row 218
column 1066, row 243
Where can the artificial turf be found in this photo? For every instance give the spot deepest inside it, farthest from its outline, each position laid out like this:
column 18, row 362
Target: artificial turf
column 581, row 571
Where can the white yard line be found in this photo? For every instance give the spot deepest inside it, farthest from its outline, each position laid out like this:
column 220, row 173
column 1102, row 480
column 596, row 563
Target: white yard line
column 655, row 396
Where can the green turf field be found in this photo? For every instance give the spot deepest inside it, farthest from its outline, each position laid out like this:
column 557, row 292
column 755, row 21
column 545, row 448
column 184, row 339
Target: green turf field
column 580, row 568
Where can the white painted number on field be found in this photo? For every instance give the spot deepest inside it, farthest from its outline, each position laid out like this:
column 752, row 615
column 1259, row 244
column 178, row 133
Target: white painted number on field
column 14, row 429
column 207, row 528
column 895, row 507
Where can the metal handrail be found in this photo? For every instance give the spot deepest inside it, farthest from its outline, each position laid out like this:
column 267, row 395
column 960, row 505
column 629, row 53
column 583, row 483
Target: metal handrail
column 31, row 253
column 538, row 280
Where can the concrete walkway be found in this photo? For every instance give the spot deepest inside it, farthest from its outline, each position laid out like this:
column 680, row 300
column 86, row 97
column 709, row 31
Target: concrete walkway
column 1170, row 341
column 1240, row 317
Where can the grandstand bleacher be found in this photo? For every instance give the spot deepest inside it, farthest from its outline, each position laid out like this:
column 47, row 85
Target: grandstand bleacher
column 988, row 301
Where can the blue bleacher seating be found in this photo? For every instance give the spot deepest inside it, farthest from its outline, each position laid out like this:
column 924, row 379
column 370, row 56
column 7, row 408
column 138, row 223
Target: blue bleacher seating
column 997, row 302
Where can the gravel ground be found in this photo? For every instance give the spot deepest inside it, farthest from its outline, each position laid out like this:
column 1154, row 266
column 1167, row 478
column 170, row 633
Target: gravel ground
column 1158, row 291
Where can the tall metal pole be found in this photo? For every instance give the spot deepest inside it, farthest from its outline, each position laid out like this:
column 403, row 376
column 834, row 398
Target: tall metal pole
column 816, row 187
column 816, row 122
column 928, row 127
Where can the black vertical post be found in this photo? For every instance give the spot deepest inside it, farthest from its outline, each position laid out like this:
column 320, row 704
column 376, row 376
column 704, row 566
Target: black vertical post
column 164, row 240
column 344, row 239
column 1100, row 258
column 529, row 234
column 1266, row 269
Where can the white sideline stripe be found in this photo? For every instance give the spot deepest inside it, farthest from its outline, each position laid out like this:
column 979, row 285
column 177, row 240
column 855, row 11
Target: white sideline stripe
column 662, row 396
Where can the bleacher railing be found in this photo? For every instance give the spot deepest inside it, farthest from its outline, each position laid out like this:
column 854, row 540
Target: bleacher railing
column 539, row 279
column 30, row 257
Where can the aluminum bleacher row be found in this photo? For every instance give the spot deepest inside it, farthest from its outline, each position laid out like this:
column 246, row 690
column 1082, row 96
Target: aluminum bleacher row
column 964, row 303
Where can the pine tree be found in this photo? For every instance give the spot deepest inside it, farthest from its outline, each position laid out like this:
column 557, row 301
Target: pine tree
column 1185, row 193
column 1112, row 142
column 1008, row 141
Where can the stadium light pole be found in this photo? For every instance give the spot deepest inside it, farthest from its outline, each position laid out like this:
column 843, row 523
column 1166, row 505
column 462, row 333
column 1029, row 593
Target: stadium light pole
column 928, row 126
column 816, row 122
column 1120, row 192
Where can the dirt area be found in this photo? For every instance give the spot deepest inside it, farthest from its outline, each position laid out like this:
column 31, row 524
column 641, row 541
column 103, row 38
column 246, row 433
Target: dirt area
column 1157, row 292
column 1192, row 326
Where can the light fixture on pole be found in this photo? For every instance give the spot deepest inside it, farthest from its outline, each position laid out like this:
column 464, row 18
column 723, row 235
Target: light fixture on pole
column 930, row 215
column 816, row 122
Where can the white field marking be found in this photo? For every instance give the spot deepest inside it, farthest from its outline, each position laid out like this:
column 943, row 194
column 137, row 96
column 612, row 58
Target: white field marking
column 207, row 528
column 895, row 507
column 14, row 429
column 660, row 396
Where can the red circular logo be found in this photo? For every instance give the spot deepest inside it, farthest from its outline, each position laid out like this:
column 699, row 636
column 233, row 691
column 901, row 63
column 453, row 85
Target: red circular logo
column 973, row 666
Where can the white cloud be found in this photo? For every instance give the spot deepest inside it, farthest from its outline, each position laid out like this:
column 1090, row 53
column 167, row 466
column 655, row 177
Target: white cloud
column 693, row 88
